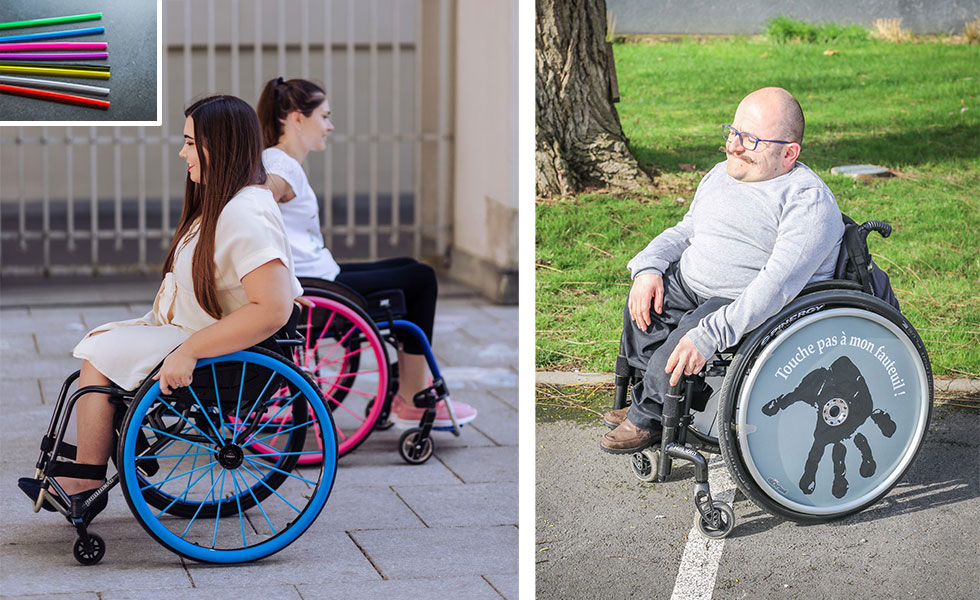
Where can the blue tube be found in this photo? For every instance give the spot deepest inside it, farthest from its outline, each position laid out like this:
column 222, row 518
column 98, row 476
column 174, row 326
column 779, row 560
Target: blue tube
column 399, row 324
column 49, row 35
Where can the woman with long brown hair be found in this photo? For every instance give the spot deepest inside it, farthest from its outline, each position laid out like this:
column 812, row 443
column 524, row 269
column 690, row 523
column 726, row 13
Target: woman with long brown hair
column 295, row 118
column 228, row 284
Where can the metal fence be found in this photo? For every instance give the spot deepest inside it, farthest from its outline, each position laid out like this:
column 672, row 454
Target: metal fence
column 83, row 200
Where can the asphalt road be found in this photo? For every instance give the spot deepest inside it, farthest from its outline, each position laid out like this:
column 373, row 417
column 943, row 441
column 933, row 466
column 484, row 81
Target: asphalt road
column 601, row 533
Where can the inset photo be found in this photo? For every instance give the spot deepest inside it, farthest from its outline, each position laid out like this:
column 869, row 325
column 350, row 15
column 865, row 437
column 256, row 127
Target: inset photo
column 80, row 62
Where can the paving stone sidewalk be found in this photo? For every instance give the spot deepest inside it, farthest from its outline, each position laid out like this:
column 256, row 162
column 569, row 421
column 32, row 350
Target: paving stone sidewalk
column 445, row 529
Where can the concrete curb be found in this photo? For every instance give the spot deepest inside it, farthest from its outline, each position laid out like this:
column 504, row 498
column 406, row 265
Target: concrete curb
column 948, row 386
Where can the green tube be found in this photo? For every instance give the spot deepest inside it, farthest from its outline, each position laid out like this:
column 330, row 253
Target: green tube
column 51, row 21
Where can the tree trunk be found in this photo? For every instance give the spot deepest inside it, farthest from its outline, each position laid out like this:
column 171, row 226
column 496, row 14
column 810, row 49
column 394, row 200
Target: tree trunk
column 579, row 141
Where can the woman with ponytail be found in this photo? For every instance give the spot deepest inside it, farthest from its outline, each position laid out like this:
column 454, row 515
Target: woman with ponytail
column 227, row 285
column 295, row 117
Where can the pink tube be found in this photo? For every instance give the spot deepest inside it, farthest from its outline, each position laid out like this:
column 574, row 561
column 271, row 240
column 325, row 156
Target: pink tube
column 70, row 56
column 47, row 46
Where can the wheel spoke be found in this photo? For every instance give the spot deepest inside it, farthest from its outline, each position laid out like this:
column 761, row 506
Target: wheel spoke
column 354, row 374
column 273, row 490
column 186, row 490
column 170, row 435
column 238, row 501
column 251, row 441
column 325, row 328
column 210, row 494
column 339, row 342
column 358, row 392
column 158, row 485
column 184, row 419
column 217, row 516
column 205, row 413
column 340, row 404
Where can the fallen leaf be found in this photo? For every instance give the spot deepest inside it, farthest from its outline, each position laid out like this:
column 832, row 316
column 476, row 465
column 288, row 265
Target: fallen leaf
column 765, row 55
column 686, row 167
column 829, row 52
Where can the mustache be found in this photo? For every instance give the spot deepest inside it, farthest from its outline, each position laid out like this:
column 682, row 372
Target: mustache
column 730, row 155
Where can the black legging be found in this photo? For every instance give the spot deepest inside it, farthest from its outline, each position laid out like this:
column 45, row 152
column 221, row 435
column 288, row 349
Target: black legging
column 416, row 280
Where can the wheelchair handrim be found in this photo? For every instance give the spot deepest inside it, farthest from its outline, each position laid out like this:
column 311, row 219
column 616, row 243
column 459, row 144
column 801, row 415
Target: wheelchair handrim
column 907, row 455
column 292, row 530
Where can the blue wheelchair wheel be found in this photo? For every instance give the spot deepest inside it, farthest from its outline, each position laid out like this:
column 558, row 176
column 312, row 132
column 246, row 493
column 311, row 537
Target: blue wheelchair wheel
column 171, row 426
column 201, row 447
column 825, row 407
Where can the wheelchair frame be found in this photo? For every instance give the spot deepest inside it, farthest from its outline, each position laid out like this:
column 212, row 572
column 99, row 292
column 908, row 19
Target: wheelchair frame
column 384, row 309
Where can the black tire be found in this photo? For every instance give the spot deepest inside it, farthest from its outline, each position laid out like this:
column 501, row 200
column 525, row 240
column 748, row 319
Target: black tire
column 91, row 553
column 645, row 464
column 413, row 449
column 727, row 516
column 801, row 312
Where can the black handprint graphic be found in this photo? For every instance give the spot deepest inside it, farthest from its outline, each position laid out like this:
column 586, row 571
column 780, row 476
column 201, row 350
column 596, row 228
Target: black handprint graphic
column 843, row 402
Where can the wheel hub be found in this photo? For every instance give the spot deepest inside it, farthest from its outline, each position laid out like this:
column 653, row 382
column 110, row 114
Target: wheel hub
column 835, row 412
column 230, row 456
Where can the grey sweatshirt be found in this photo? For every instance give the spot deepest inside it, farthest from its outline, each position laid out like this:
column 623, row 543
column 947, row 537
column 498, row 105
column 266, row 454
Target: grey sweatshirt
column 756, row 243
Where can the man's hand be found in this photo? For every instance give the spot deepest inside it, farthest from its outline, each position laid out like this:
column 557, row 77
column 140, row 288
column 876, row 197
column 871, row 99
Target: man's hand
column 684, row 360
column 176, row 371
column 646, row 287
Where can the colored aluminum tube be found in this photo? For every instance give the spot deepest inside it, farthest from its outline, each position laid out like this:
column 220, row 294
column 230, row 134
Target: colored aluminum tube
column 50, row 35
column 54, row 85
column 49, row 46
column 52, row 72
column 59, row 56
column 50, row 21
column 54, row 96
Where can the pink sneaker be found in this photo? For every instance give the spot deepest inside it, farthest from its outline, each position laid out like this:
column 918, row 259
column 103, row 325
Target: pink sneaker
column 405, row 414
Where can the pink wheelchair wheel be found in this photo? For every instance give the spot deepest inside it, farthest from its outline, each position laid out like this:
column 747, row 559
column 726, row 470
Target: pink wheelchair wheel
column 346, row 357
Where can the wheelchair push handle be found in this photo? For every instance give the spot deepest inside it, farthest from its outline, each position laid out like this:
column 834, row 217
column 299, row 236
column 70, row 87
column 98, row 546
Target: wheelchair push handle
column 881, row 227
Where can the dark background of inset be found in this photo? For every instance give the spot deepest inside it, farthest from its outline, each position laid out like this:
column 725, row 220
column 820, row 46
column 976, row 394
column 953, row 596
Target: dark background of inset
column 131, row 32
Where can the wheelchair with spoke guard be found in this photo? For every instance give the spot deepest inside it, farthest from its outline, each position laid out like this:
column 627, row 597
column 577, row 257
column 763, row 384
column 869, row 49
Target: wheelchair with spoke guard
column 837, row 367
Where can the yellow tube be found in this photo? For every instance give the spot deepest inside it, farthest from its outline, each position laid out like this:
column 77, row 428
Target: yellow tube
column 54, row 72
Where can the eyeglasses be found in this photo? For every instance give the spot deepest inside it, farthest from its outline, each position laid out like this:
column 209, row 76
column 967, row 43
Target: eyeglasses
column 747, row 140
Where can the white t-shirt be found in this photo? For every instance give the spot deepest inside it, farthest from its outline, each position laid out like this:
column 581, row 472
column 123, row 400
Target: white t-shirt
column 301, row 216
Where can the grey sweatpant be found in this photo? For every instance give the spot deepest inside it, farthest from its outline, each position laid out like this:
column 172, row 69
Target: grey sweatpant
column 649, row 350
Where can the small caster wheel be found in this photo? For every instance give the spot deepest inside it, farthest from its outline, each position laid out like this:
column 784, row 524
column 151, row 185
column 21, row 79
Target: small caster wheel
column 91, row 552
column 413, row 449
column 646, row 464
column 379, row 425
column 727, row 516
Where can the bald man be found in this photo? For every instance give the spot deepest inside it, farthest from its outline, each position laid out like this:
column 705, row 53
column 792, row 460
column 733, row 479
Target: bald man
column 762, row 225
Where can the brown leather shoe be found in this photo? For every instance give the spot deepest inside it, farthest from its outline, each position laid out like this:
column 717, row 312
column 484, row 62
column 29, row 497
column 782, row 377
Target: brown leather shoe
column 612, row 418
column 627, row 438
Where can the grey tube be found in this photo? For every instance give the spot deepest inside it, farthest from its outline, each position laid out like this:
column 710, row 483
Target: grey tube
column 55, row 85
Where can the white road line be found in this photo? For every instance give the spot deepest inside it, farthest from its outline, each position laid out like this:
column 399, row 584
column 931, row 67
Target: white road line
column 699, row 565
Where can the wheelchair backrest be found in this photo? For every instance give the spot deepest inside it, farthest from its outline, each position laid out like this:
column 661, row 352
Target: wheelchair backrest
column 854, row 261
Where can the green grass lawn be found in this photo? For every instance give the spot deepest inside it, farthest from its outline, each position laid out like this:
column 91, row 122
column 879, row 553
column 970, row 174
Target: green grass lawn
column 914, row 108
